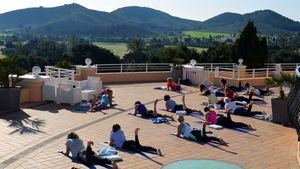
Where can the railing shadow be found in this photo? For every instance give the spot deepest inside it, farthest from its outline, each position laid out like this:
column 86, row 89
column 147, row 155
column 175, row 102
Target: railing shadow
column 23, row 124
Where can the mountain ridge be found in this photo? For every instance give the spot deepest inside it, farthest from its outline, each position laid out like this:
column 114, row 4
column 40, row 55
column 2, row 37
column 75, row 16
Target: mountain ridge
column 135, row 20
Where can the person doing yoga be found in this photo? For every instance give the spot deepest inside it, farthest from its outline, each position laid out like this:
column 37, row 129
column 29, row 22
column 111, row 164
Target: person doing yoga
column 172, row 85
column 235, row 109
column 141, row 109
column 87, row 156
column 216, row 91
column 199, row 135
column 255, row 91
column 172, row 106
column 213, row 118
column 102, row 103
column 118, row 139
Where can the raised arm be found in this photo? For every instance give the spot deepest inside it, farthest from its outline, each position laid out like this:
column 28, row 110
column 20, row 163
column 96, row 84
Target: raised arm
column 179, row 127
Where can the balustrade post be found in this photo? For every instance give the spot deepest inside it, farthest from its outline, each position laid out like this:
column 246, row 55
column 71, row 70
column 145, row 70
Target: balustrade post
column 253, row 74
column 121, row 70
column 211, row 67
column 146, row 67
column 267, row 72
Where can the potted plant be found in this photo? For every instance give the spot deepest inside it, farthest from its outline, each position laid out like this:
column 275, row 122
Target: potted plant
column 280, row 104
column 9, row 93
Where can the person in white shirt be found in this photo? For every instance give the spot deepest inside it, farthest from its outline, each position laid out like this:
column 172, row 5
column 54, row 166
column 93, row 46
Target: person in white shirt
column 231, row 107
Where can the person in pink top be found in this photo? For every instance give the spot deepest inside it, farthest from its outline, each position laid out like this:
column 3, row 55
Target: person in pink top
column 213, row 118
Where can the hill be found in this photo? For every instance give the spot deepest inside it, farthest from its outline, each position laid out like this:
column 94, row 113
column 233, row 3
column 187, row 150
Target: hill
column 76, row 19
column 134, row 21
column 267, row 22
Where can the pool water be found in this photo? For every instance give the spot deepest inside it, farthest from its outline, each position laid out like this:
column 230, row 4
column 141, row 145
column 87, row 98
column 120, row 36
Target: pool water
column 200, row 164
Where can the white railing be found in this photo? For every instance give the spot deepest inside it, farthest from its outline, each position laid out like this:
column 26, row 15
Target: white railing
column 133, row 67
column 284, row 66
column 235, row 73
column 212, row 66
column 59, row 72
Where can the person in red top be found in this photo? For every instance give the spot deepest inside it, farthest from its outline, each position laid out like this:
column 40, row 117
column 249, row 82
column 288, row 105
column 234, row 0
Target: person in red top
column 172, row 85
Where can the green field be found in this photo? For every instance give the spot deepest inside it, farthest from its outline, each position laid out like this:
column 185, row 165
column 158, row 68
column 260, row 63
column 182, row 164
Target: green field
column 199, row 34
column 119, row 49
column 199, row 50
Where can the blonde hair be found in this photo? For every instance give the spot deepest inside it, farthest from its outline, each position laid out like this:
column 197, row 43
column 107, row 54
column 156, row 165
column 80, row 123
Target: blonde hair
column 227, row 100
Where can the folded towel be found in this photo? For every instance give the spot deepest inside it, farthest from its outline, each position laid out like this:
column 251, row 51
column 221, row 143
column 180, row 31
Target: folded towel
column 107, row 151
column 159, row 120
column 215, row 126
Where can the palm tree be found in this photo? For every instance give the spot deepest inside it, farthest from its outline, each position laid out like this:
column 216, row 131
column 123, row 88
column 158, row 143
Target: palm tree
column 137, row 45
column 9, row 66
column 283, row 79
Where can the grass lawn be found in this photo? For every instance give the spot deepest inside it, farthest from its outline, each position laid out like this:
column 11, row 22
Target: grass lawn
column 119, row 49
column 199, row 34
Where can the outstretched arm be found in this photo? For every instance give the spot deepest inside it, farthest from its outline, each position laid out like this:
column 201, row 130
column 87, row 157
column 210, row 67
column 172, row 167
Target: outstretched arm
column 179, row 127
column 183, row 101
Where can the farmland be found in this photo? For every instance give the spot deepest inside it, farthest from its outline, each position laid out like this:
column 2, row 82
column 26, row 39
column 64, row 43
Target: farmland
column 199, row 34
column 119, row 49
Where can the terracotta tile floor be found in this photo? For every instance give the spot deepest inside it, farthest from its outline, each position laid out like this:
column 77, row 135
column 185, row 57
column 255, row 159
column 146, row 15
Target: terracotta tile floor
column 31, row 138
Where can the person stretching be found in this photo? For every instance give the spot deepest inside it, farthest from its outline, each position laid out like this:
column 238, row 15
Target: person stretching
column 141, row 109
column 257, row 92
column 185, row 129
column 118, row 139
column 213, row 118
column 172, row 85
column 172, row 106
column 102, row 103
column 232, row 107
column 87, row 156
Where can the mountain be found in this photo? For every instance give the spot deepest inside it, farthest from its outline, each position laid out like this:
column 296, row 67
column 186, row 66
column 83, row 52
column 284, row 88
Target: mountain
column 76, row 19
column 266, row 21
column 134, row 21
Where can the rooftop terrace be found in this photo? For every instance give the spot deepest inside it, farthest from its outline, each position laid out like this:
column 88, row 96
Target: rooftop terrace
column 32, row 137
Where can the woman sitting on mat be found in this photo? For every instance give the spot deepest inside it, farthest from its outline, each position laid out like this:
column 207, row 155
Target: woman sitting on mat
column 213, row 118
column 141, row 109
column 172, row 106
column 87, row 156
column 102, row 103
column 118, row 139
column 172, row 85
column 232, row 107
column 188, row 132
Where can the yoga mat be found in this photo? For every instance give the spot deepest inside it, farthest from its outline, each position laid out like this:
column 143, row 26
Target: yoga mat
column 144, row 155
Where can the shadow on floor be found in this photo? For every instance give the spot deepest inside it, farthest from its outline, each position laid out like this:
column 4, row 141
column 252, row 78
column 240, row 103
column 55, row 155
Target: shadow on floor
column 23, row 123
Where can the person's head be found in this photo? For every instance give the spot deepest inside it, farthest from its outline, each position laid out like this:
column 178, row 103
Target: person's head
column 223, row 81
column 167, row 97
column 116, row 127
column 247, row 85
column 137, row 103
column 207, row 93
column 227, row 100
column 72, row 135
column 169, row 79
column 202, row 87
column 206, row 109
column 109, row 92
column 180, row 118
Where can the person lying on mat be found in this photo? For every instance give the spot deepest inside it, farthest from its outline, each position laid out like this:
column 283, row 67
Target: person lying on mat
column 118, row 139
column 188, row 132
column 172, row 85
column 172, row 106
column 141, row 109
column 215, row 91
column 85, row 155
column 213, row 100
column 102, row 103
column 213, row 118
column 232, row 107
column 236, row 97
column 224, row 85
column 255, row 91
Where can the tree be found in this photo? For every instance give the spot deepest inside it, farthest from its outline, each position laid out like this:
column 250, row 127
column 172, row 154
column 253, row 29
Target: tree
column 137, row 45
column 250, row 48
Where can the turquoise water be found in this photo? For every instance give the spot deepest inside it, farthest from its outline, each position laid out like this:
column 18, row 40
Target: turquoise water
column 200, row 164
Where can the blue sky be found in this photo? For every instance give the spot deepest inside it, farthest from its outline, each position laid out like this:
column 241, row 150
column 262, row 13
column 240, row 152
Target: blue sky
column 190, row 9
